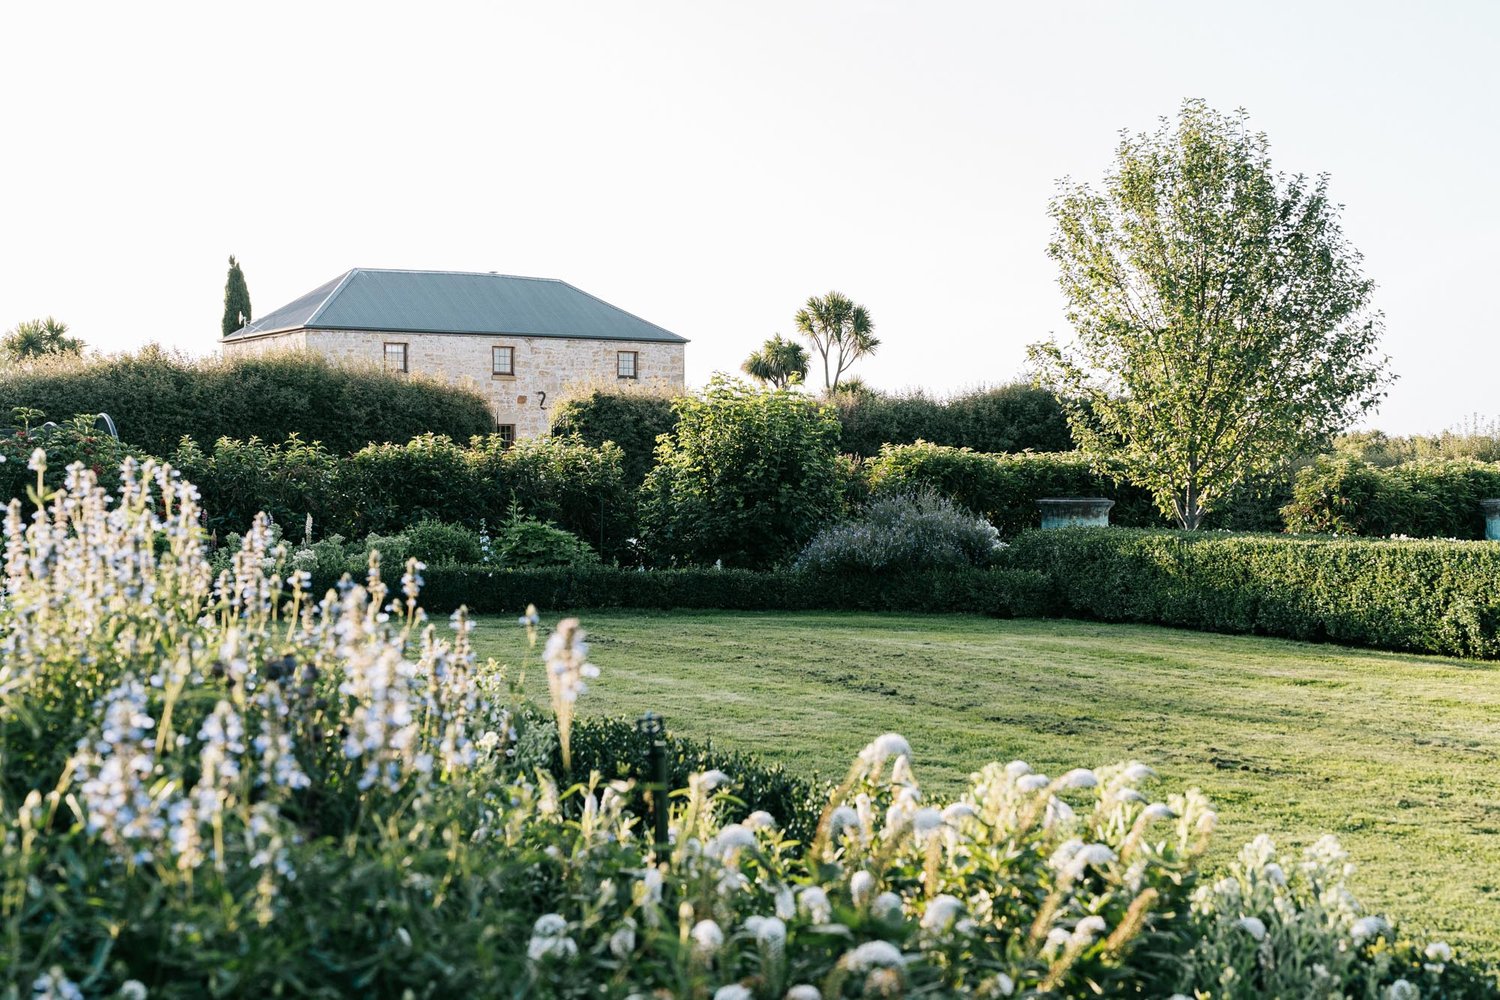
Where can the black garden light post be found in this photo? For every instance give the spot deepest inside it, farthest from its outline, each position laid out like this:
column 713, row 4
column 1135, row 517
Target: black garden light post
column 654, row 728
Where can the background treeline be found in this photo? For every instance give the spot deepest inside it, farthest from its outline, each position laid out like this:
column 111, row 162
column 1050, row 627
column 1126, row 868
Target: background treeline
column 156, row 398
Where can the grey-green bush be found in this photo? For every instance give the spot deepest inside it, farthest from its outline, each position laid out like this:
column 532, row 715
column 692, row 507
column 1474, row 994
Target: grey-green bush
column 913, row 531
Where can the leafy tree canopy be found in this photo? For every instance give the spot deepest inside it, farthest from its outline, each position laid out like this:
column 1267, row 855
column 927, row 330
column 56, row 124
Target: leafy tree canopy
column 1223, row 321
column 839, row 330
column 236, row 299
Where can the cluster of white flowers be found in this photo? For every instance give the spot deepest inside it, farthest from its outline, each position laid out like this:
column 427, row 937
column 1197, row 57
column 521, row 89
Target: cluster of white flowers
column 194, row 757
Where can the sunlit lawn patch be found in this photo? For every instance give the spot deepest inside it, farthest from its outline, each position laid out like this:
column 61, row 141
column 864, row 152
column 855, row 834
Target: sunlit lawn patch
column 1394, row 754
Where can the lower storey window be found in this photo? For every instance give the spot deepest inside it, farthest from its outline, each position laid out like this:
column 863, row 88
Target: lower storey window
column 507, row 434
column 626, row 364
column 395, row 357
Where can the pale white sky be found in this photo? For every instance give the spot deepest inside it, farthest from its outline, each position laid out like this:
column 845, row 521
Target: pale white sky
column 709, row 166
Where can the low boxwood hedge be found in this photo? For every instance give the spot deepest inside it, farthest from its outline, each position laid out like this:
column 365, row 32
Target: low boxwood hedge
column 1413, row 596
column 998, row 592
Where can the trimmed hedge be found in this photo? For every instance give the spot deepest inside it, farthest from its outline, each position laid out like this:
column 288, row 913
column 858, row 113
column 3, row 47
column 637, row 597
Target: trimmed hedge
column 1001, row 593
column 156, row 398
column 1413, row 596
column 1015, row 417
column 1420, row 500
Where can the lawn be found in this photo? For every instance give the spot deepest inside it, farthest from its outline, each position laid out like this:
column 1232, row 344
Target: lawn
column 1395, row 754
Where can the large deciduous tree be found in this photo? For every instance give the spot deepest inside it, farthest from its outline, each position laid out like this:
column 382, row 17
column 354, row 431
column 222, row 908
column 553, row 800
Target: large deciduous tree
column 779, row 362
column 40, row 338
column 1223, row 320
column 840, row 331
column 236, row 299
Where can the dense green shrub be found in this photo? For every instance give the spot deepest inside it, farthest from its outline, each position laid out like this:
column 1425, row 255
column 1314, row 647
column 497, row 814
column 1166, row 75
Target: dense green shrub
column 1416, row 596
column 632, row 418
column 747, row 477
column 69, row 441
column 527, row 543
column 288, row 480
column 1005, row 488
column 1475, row 438
column 901, row 533
column 576, row 486
column 383, row 489
column 1419, row 500
column 428, row 477
column 156, row 398
column 1015, row 417
column 996, row 592
column 438, row 544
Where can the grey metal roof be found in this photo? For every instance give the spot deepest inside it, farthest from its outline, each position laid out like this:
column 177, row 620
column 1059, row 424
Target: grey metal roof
column 456, row 302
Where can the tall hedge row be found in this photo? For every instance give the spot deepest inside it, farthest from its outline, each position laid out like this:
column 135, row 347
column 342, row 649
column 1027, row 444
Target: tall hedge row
column 1414, row 596
column 156, row 398
column 1005, row 488
column 1015, row 417
column 995, row 592
column 385, row 488
column 1420, row 500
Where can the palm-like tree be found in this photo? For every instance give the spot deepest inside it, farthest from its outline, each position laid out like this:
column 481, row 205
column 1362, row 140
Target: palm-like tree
column 779, row 362
column 38, row 338
column 841, row 331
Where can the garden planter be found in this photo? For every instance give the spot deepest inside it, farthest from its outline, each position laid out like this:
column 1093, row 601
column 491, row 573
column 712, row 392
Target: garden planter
column 1491, row 510
column 1075, row 512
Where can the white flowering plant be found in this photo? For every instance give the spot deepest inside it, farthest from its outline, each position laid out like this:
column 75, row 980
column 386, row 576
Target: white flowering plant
column 222, row 784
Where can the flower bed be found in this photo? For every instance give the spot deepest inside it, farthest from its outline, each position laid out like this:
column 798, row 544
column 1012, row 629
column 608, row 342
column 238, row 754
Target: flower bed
column 235, row 786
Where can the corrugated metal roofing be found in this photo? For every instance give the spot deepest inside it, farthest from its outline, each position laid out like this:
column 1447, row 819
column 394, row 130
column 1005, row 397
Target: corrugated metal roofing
column 456, row 302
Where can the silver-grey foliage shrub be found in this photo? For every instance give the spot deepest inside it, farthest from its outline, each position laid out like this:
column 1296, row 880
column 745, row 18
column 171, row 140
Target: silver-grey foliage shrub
column 908, row 531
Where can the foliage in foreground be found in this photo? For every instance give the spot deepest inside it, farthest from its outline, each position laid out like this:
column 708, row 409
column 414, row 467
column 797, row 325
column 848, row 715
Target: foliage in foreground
column 217, row 786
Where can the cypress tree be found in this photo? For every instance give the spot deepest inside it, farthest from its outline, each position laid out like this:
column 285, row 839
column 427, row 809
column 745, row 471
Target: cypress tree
column 236, row 299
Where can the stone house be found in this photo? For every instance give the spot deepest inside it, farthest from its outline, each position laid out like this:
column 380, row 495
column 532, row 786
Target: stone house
column 520, row 341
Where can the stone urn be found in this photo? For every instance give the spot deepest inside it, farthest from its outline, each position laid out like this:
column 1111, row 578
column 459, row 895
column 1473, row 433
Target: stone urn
column 1075, row 512
column 1491, row 510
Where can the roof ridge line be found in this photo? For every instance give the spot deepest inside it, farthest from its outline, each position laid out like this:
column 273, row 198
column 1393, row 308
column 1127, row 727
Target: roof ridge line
column 627, row 312
column 469, row 274
column 312, row 317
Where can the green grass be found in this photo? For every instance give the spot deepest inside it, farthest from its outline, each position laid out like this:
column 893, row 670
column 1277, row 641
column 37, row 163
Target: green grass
column 1395, row 754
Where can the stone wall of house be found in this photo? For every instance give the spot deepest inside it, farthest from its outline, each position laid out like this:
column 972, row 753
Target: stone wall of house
column 544, row 366
column 292, row 340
